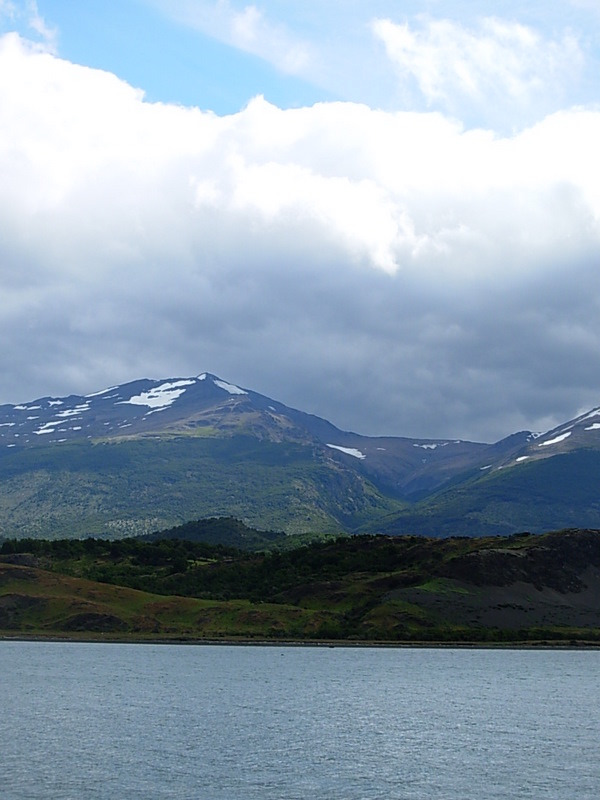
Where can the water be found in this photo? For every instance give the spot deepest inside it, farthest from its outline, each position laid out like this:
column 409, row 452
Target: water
column 119, row 722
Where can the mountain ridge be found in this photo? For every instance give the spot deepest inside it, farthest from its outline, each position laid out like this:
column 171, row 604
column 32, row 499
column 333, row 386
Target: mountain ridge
column 199, row 405
column 155, row 453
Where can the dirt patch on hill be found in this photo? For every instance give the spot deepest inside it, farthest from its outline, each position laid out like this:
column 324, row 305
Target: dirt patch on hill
column 94, row 621
column 555, row 561
column 10, row 573
column 514, row 606
column 14, row 607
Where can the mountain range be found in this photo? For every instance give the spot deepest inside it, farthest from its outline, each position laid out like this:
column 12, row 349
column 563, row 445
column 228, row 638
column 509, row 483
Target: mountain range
column 151, row 454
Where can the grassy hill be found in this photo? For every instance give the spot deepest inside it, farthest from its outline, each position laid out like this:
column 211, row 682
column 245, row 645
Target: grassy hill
column 366, row 588
column 38, row 602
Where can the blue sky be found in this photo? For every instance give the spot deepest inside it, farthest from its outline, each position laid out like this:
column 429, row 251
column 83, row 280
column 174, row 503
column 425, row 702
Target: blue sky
column 172, row 61
column 385, row 213
column 540, row 56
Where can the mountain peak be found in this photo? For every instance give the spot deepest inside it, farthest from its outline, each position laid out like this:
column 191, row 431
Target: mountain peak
column 230, row 388
column 125, row 409
column 231, row 443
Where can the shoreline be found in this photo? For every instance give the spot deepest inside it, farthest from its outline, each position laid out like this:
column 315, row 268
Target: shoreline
column 327, row 644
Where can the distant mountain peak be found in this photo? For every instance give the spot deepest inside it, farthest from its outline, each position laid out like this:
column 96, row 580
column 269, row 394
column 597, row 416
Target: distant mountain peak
column 230, row 450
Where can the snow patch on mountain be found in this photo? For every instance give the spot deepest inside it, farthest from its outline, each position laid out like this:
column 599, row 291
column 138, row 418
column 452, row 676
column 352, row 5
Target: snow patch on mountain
column 593, row 427
column 74, row 412
column 350, row 451
column 228, row 387
column 48, row 427
column 103, row 391
column 160, row 396
column 560, row 438
column 426, row 446
column 594, row 413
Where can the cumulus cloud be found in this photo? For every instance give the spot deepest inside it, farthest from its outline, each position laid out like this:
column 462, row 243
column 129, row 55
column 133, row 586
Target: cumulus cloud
column 498, row 61
column 392, row 272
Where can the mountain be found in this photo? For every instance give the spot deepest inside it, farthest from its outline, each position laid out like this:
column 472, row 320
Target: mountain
column 154, row 454
column 552, row 481
column 208, row 407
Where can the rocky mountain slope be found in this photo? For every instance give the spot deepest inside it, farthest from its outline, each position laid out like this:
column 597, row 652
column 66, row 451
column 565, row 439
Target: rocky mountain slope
column 150, row 454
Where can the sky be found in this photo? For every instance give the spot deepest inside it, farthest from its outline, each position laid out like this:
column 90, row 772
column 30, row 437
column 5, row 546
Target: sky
column 386, row 213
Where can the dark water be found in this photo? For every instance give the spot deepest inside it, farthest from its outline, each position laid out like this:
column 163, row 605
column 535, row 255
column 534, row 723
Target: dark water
column 105, row 721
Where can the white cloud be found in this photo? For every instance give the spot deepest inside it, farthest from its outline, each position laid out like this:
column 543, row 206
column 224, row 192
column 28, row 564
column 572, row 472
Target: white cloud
column 248, row 29
column 47, row 33
column 494, row 62
column 501, row 71
column 390, row 271
column 27, row 13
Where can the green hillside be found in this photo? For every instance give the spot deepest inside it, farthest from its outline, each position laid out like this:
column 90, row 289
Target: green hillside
column 128, row 487
column 37, row 602
column 558, row 492
column 362, row 588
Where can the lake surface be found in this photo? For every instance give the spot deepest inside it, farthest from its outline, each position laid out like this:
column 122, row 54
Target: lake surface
column 119, row 722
